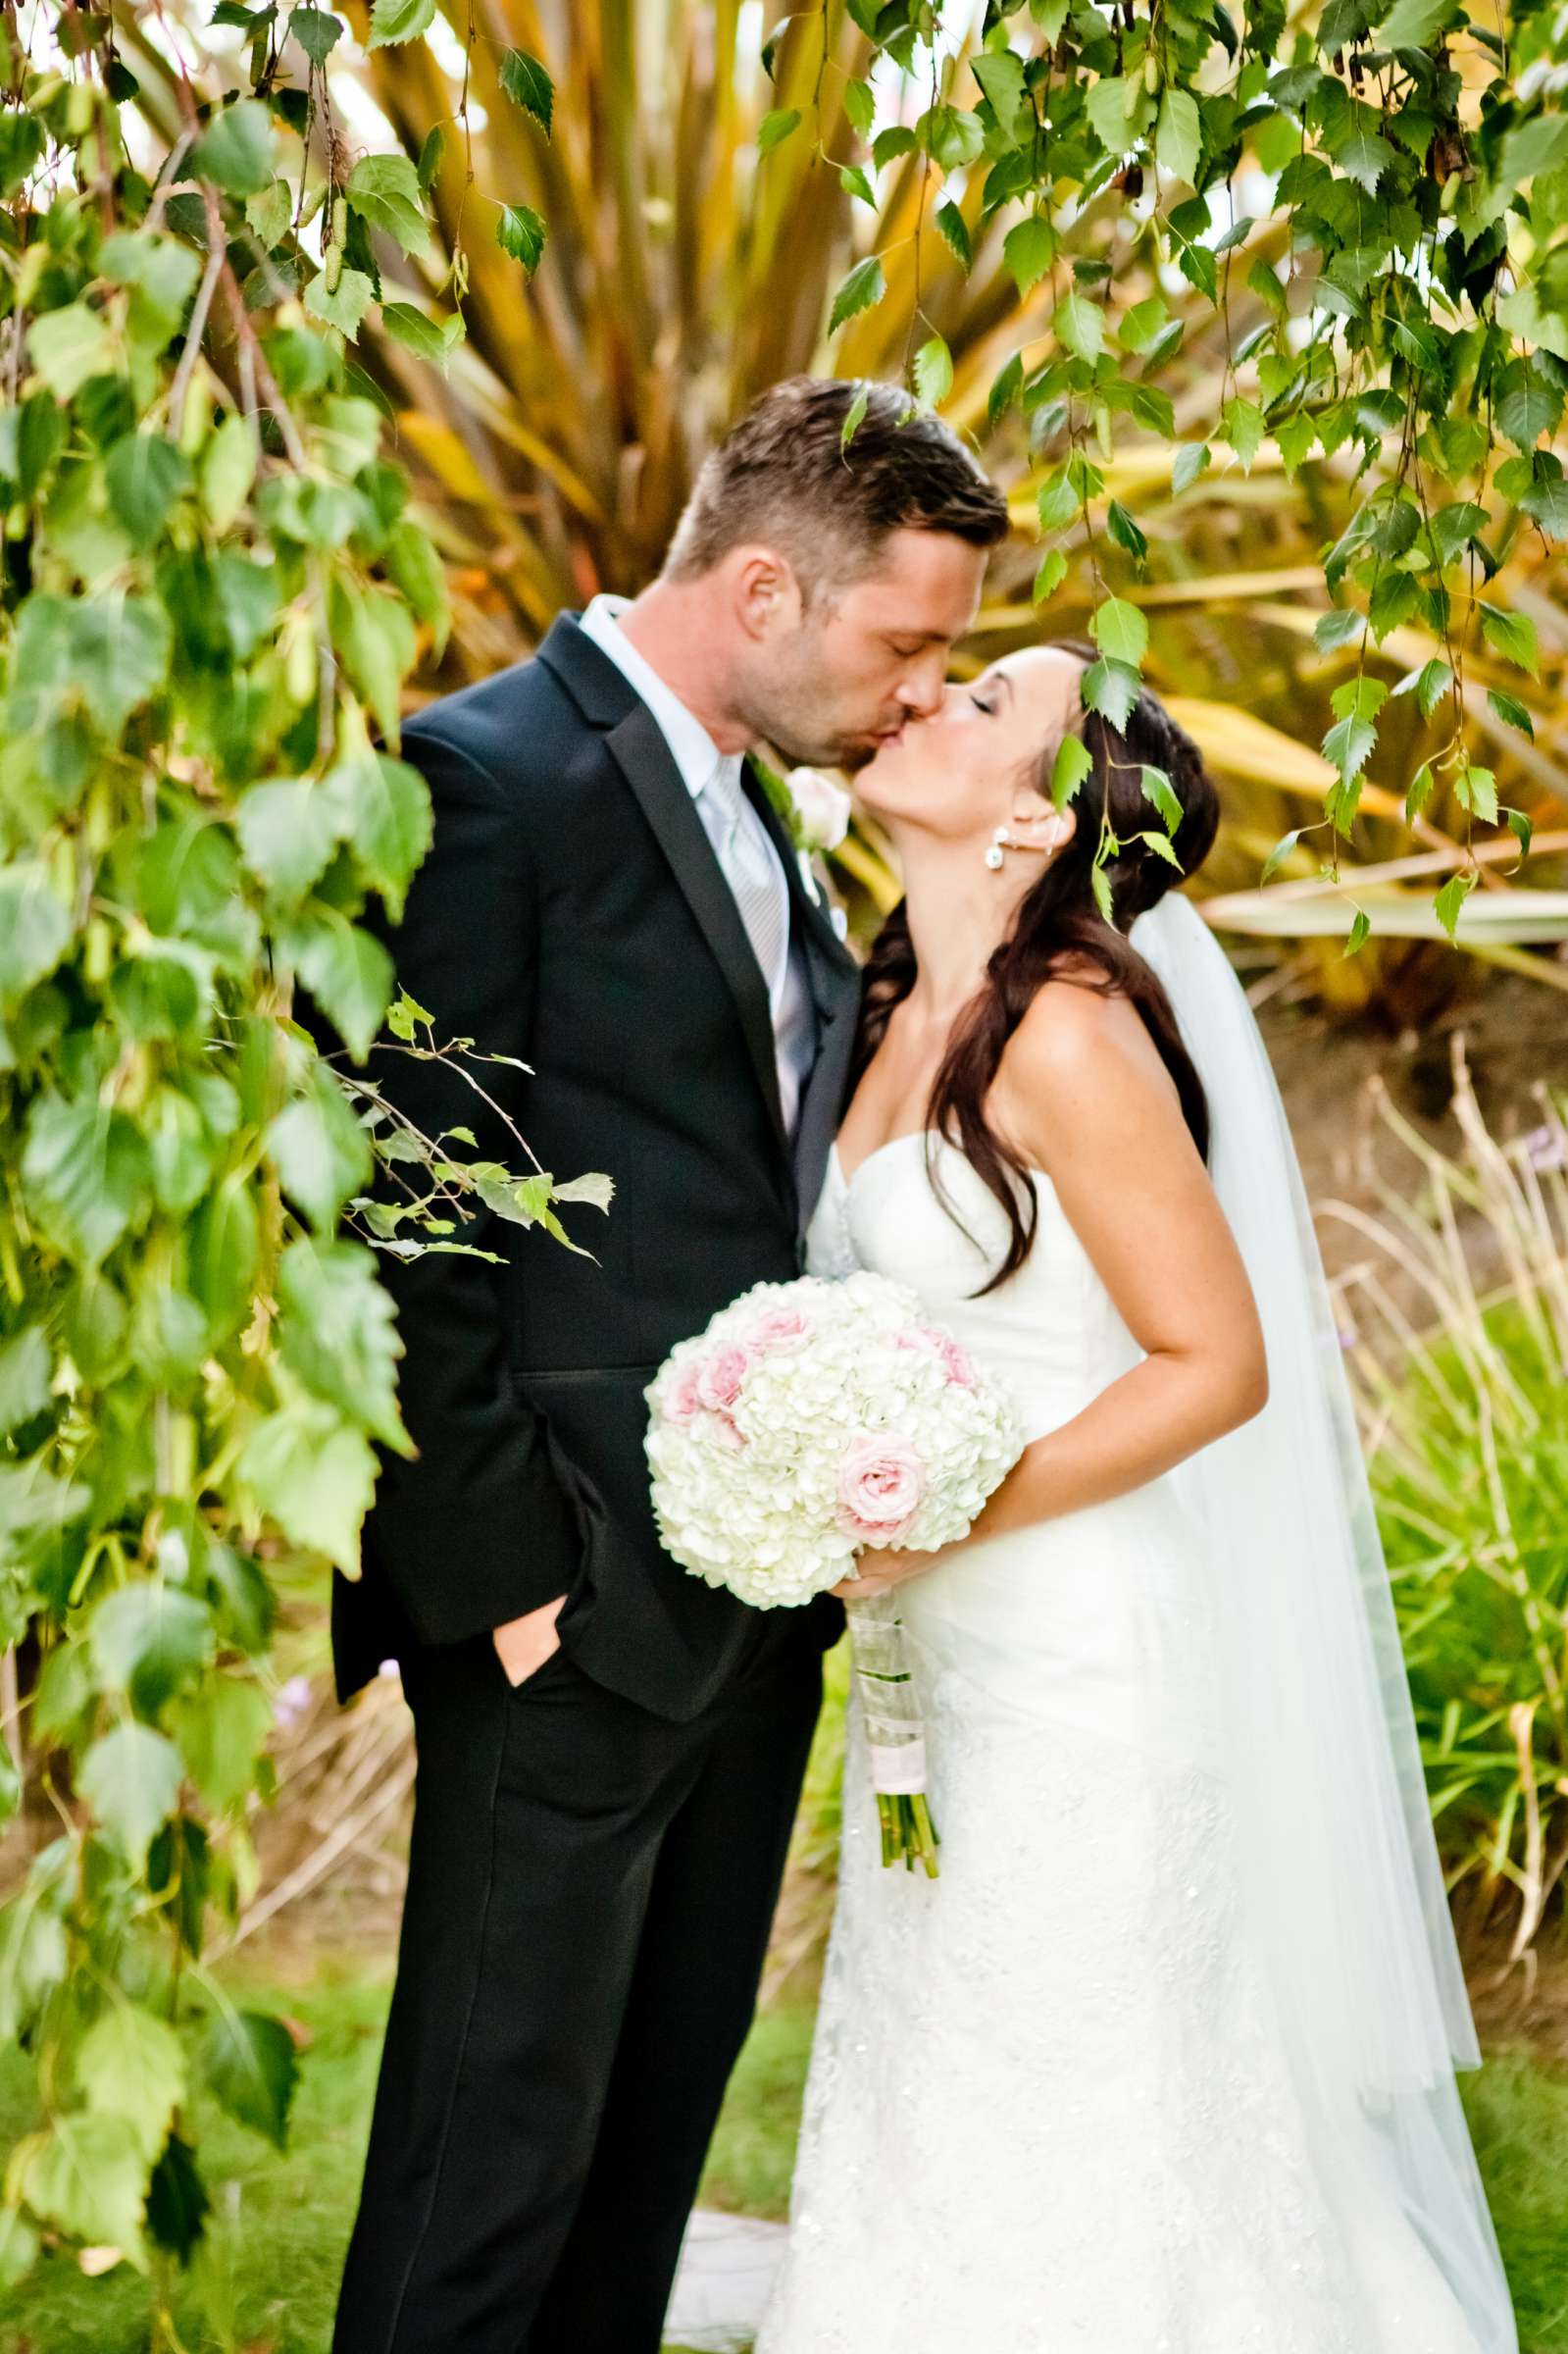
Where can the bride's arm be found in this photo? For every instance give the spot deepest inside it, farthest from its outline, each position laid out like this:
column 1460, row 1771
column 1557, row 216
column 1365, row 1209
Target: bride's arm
column 1084, row 1092
column 1085, row 1097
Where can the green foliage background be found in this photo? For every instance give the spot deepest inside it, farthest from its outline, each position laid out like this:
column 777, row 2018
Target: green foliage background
column 216, row 588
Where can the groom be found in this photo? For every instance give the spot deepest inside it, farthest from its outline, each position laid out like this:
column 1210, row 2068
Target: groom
column 610, row 1751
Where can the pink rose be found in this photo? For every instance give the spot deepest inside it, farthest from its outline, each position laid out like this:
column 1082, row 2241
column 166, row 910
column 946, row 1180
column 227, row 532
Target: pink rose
column 721, row 1377
column 682, row 1401
column 778, row 1326
column 881, row 1483
column 955, row 1362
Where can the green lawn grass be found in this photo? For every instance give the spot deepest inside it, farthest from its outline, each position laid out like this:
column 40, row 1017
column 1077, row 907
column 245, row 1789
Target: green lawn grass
column 281, row 2222
column 1518, row 2110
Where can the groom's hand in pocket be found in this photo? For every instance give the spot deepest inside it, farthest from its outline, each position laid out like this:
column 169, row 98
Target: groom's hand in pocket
column 522, row 1645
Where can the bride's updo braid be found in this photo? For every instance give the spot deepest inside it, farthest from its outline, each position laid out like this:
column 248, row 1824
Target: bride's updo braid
column 1060, row 935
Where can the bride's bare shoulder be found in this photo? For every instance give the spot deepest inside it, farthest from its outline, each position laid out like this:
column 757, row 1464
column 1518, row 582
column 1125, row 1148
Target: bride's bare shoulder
column 1071, row 1024
column 1081, row 1058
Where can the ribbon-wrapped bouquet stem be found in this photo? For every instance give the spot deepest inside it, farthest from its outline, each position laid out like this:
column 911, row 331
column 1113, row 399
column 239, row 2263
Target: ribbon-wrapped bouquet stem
column 811, row 1421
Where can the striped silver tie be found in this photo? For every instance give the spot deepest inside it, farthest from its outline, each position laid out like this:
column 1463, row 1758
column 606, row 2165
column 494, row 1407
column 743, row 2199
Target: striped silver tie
column 749, row 867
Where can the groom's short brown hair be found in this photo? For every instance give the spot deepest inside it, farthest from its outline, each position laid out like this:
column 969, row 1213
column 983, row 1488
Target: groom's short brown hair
column 784, row 477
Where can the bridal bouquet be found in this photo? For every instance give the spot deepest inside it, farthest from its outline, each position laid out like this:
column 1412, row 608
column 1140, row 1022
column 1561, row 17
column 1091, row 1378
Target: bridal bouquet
column 811, row 1419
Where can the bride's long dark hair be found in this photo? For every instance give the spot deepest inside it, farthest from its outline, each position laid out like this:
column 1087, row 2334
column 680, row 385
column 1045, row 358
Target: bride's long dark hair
column 1059, row 934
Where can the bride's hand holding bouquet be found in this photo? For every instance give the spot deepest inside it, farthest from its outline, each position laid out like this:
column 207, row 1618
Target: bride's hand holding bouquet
column 815, row 1426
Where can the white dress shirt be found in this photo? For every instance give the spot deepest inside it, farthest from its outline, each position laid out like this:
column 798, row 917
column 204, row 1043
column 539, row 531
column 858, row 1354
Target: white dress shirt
column 701, row 765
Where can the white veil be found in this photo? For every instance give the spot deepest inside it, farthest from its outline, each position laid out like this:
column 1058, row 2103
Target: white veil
column 1340, row 1867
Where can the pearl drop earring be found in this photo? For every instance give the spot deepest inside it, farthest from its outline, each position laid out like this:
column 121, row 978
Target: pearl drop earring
column 1001, row 842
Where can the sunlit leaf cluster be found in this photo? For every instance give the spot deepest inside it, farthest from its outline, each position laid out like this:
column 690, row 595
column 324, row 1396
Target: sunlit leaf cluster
column 1363, row 205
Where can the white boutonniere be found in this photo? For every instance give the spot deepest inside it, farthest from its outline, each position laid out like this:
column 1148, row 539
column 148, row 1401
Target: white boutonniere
column 815, row 813
column 822, row 809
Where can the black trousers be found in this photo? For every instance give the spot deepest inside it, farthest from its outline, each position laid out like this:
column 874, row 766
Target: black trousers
column 589, row 1895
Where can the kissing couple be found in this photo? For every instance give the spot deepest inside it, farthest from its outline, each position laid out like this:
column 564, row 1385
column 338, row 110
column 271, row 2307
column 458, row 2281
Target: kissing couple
column 1164, row 2058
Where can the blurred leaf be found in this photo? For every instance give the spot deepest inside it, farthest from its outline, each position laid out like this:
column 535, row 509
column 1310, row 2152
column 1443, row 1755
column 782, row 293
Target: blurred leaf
column 316, row 31
column 1511, row 711
column 341, row 1336
column 950, row 221
column 1050, row 576
column 395, row 20
column 1080, row 326
column 528, row 85
column 342, row 306
column 236, row 151
column 148, row 1640
column 289, row 829
column 84, row 1172
column 132, row 2066
column 520, row 232
column 250, row 2063
column 1111, row 688
column 19, row 2247
column 221, row 1730
column 312, row 1472
column 346, row 970
column 178, row 2205
column 130, row 1778
column 1179, row 138
column 1451, row 899
column 1513, row 634
column 864, row 286
column 933, row 373
column 143, row 477
column 84, row 2174
column 1028, row 252
column 1342, row 625
column 323, row 1154
column 385, row 190
column 1072, row 765
column 1158, row 789
column 228, row 470
column 25, row 1371
column 1120, row 630
column 35, row 929
column 777, row 127
column 1412, row 24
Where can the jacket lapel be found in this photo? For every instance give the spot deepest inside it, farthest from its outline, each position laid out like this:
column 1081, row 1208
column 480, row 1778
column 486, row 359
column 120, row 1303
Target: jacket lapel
column 637, row 745
column 832, row 964
column 836, row 990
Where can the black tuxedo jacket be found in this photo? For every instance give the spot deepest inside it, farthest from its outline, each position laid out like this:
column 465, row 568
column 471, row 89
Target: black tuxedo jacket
column 572, row 912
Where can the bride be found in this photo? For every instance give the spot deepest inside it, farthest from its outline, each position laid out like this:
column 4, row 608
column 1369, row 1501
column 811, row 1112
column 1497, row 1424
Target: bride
column 1162, row 2064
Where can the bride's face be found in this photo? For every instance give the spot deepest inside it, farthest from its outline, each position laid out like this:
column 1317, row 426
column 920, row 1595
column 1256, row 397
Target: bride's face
column 974, row 764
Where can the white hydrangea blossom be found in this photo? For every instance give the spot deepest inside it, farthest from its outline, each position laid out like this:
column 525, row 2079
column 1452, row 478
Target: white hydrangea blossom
column 811, row 1419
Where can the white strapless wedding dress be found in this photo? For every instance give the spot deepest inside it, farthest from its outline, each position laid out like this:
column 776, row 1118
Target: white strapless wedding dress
column 1048, row 2109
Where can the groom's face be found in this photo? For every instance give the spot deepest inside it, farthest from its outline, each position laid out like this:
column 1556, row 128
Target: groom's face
column 835, row 680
